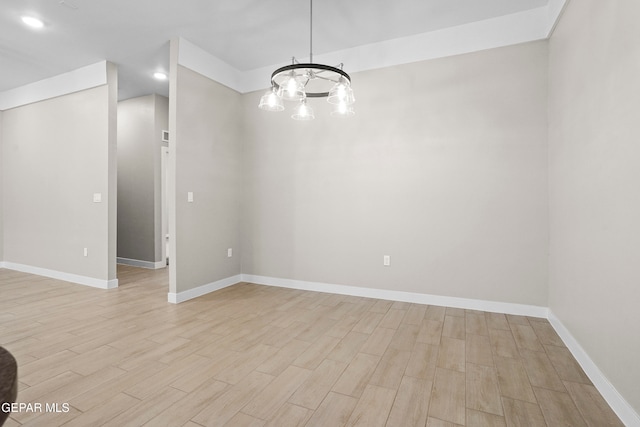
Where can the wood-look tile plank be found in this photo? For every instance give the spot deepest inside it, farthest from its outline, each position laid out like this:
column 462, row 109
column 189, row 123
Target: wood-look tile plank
column 565, row 365
column 430, row 332
column 592, row 405
column 525, row 337
column 390, row 369
column 378, row 341
column 546, row 334
column 368, row 322
column 348, row 347
column 517, row 320
column 482, row 389
column 497, row 321
column 518, row 413
column 313, row 391
column 355, row 377
column 279, row 361
column 478, row 350
column 454, row 327
column 228, row 404
column 243, row 420
column 343, row 327
column 316, row 352
column 423, row 361
column 435, row 312
column 110, row 408
column 476, row 324
column 405, row 337
column 334, row 410
column 503, row 344
column 540, row 370
column 381, row 306
column 373, row 407
column 448, row 396
column 181, row 411
column 478, row 418
column 290, row 415
column 393, row 318
column 513, row 380
column 96, row 397
column 435, row 422
column 415, row 314
column 147, row 409
column 452, row 311
column 452, row 354
column 558, row 408
column 274, row 395
column 411, row 404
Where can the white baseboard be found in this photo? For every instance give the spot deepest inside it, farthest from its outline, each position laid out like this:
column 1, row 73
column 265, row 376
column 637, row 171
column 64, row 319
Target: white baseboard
column 179, row 297
column 618, row 403
column 470, row 304
column 67, row 277
column 143, row 264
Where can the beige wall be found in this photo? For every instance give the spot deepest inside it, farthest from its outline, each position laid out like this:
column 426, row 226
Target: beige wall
column 593, row 184
column 443, row 168
column 139, row 142
column 56, row 154
column 206, row 148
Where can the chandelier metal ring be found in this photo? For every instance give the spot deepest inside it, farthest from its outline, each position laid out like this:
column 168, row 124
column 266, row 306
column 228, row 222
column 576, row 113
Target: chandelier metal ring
column 320, row 77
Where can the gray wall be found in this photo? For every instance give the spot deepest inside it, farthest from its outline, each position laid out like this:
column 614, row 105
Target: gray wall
column 56, row 154
column 593, row 184
column 140, row 121
column 205, row 147
column 1, row 197
column 443, row 168
column 161, row 122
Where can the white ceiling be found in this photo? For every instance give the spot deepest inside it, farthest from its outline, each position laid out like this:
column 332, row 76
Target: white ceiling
column 246, row 34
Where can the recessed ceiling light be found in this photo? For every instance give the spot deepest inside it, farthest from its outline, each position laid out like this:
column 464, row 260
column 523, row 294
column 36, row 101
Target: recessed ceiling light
column 160, row 76
column 32, row 22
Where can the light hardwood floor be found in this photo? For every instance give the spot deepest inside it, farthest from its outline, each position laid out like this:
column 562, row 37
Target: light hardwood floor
column 252, row 355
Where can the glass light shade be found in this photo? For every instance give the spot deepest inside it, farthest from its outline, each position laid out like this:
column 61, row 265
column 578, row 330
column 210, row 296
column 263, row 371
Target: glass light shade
column 291, row 88
column 343, row 110
column 270, row 101
column 303, row 112
column 340, row 93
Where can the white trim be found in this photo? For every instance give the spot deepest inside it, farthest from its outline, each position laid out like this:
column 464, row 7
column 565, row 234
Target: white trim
column 67, row 277
column 620, row 406
column 521, row 27
column 74, row 81
column 418, row 298
column 143, row 264
column 505, row 30
column 179, row 297
column 555, row 8
column 200, row 61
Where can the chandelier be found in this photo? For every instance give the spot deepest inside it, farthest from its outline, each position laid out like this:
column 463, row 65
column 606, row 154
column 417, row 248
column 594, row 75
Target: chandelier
column 299, row 81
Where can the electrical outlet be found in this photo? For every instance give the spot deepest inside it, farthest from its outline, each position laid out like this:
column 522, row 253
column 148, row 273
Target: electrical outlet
column 386, row 260
column 229, row 252
column 190, row 197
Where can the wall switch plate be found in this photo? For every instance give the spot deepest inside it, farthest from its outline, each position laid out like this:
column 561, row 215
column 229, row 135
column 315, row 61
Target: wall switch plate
column 190, row 197
column 86, row 252
column 386, row 260
column 229, row 252
column 97, row 197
